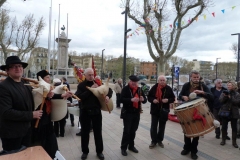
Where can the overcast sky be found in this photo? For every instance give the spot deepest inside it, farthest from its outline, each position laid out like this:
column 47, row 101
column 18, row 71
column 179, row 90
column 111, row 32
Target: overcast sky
column 98, row 24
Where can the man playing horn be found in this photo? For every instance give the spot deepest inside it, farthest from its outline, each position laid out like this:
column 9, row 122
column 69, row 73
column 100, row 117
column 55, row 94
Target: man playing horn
column 16, row 111
column 90, row 113
column 201, row 90
column 132, row 96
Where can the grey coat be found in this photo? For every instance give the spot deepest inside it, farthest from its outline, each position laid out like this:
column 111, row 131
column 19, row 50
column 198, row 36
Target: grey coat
column 233, row 102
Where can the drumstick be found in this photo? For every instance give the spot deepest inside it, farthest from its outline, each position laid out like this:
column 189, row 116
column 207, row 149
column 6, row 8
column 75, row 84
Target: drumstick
column 106, row 104
column 41, row 107
column 66, row 89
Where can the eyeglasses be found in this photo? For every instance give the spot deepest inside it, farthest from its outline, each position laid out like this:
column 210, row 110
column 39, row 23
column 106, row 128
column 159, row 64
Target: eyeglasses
column 16, row 66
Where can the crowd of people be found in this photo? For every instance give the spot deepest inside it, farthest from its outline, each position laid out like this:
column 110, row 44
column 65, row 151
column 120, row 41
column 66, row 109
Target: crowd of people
column 19, row 117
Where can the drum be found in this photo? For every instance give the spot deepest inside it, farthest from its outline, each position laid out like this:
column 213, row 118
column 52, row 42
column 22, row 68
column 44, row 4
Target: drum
column 195, row 118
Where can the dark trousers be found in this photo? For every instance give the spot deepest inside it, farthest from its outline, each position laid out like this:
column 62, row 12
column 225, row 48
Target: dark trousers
column 118, row 97
column 86, row 121
column 157, row 129
column 130, row 123
column 233, row 124
column 71, row 118
column 9, row 144
column 191, row 144
column 60, row 125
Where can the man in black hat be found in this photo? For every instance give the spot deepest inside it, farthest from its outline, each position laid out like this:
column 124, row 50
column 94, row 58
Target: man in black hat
column 132, row 96
column 16, row 111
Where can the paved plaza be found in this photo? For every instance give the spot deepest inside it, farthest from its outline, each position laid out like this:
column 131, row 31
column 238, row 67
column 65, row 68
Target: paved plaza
column 209, row 147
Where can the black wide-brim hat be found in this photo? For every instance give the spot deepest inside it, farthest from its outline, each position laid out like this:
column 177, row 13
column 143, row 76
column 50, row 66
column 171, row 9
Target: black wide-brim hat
column 43, row 73
column 13, row 60
column 133, row 78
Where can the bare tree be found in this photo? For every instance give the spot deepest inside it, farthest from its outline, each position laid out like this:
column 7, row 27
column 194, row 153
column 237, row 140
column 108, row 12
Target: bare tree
column 154, row 13
column 24, row 36
column 1, row 2
column 234, row 49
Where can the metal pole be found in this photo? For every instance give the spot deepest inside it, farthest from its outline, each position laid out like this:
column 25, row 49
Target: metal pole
column 216, row 66
column 58, row 40
column 66, row 50
column 125, row 48
column 49, row 38
column 156, row 73
column 102, row 66
column 238, row 57
column 53, row 58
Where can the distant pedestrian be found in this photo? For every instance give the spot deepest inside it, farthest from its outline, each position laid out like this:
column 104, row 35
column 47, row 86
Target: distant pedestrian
column 118, row 89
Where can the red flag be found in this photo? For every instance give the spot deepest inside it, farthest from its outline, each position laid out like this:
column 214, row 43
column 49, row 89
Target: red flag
column 213, row 14
column 93, row 67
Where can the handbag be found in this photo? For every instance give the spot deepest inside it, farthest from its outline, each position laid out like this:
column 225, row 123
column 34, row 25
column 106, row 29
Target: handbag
column 163, row 113
column 123, row 113
column 225, row 111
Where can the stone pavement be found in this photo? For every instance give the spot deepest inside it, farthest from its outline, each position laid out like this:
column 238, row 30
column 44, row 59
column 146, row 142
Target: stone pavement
column 209, row 147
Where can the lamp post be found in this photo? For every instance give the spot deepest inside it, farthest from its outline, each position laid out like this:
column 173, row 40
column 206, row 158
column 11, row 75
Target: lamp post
column 125, row 46
column 216, row 65
column 238, row 56
column 102, row 65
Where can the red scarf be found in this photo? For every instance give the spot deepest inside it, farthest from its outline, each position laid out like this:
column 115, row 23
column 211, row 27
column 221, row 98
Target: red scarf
column 159, row 92
column 134, row 90
column 48, row 106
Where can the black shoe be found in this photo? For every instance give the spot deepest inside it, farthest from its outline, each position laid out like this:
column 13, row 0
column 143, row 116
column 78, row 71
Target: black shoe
column 133, row 149
column 152, row 145
column 161, row 144
column 184, row 152
column 100, row 156
column 194, row 156
column 61, row 135
column 124, row 152
column 228, row 138
column 78, row 134
column 84, row 156
column 218, row 136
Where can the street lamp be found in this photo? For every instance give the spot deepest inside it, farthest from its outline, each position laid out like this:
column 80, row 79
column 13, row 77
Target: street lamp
column 125, row 45
column 216, row 65
column 102, row 65
column 237, row 79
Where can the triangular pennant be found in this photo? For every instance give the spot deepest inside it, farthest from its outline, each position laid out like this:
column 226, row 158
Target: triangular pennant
column 233, row 7
column 204, row 16
column 223, row 10
column 196, row 18
column 182, row 22
column 137, row 32
column 213, row 14
column 177, row 24
column 171, row 25
column 189, row 21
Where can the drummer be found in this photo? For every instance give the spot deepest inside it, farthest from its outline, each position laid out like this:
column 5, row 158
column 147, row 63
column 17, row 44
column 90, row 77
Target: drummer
column 201, row 90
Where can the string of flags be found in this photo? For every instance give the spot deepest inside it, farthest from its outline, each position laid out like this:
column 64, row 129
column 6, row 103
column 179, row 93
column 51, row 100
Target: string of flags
column 139, row 30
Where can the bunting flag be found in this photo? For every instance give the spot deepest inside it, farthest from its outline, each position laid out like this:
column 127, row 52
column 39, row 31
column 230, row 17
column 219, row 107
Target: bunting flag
column 205, row 16
column 93, row 67
column 143, row 25
column 78, row 73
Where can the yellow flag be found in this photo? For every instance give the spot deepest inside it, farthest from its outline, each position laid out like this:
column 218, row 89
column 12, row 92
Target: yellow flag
column 233, row 7
column 204, row 16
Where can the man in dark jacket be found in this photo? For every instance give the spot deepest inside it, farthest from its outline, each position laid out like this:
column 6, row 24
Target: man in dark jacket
column 201, row 90
column 132, row 96
column 216, row 105
column 160, row 96
column 90, row 113
column 16, row 111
